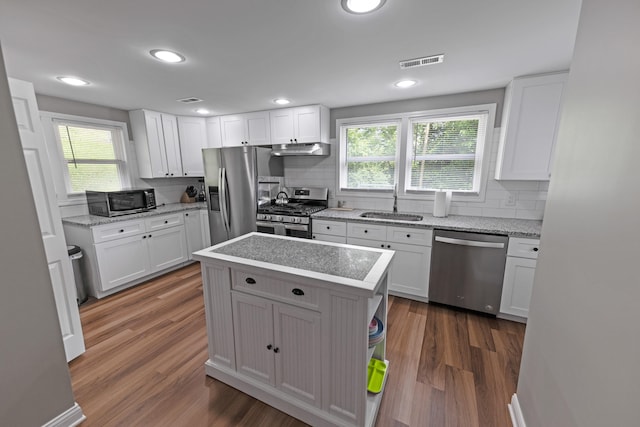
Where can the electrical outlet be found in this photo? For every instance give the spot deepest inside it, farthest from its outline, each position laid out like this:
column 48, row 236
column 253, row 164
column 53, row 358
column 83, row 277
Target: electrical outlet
column 511, row 200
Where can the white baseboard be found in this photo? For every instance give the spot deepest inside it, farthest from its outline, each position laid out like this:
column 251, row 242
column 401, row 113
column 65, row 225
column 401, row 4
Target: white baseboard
column 517, row 419
column 69, row 418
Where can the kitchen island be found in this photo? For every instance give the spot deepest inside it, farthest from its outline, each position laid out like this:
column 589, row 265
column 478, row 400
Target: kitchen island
column 288, row 323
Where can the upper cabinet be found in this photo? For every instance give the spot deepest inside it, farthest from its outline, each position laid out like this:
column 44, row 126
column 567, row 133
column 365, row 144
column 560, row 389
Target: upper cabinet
column 193, row 138
column 214, row 136
column 245, row 129
column 157, row 144
column 300, row 125
column 530, row 122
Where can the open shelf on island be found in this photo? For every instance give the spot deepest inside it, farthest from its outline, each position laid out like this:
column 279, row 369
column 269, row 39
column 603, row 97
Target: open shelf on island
column 373, row 401
column 374, row 303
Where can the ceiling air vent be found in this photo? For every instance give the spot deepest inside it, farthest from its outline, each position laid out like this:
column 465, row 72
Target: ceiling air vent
column 419, row 62
column 189, row 100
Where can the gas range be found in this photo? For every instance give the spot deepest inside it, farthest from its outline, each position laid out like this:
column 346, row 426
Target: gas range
column 291, row 216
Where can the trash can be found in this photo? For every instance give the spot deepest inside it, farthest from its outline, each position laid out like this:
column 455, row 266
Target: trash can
column 75, row 255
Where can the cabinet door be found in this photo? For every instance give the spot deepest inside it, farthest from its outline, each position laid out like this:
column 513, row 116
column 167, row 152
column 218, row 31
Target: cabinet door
column 214, row 136
column 172, row 145
column 329, row 238
column 156, row 147
column 532, row 108
column 233, row 130
column 281, row 126
column 193, row 138
column 195, row 233
column 297, row 352
column 253, row 334
column 121, row 261
column 306, row 122
column 167, row 247
column 410, row 269
column 517, row 286
column 258, row 129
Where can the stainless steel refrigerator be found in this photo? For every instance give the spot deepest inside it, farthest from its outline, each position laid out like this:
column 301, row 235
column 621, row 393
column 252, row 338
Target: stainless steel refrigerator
column 231, row 180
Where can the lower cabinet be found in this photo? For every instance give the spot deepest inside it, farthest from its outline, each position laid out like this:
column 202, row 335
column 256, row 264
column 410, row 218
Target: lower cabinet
column 166, row 248
column 519, row 273
column 196, row 224
column 279, row 345
column 121, row 261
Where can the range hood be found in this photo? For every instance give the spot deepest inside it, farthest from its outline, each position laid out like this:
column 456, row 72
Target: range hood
column 311, row 149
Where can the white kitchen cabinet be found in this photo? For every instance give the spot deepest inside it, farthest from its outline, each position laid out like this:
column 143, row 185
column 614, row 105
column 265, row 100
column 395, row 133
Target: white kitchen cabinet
column 122, row 260
column 122, row 254
column 157, row 144
column 329, row 231
column 193, row 138
column 278, row 344
column 296, row 341
column 196, row 224
column 518, row 278
column 245, row 129
column 411, row 265
column 214, row 135
column 307, row 124
column 530, row 125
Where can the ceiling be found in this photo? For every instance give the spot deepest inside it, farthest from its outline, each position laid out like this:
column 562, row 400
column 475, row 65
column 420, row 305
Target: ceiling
column 242, row 54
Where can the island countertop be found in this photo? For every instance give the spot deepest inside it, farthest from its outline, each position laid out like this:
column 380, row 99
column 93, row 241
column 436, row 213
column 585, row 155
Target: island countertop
column 357, row 267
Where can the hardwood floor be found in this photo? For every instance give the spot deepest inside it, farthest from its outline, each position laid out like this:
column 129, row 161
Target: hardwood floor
column 146, row 348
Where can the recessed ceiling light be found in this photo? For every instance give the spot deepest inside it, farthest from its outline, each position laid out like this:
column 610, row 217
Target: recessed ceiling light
column 362, row 6
column 202, row 111
column 282, row 101
column 73, row 81
column 167, row 56
column 402, row 84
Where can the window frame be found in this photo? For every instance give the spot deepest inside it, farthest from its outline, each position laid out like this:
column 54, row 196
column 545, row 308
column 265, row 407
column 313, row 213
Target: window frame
column 342, row 158
column 62, row 182
column 403, row 169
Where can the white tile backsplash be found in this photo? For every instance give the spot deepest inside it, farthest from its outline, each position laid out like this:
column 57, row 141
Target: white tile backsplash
column 529, row 196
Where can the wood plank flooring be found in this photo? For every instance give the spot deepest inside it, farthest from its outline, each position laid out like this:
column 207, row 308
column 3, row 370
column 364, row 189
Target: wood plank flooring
column 146, row 348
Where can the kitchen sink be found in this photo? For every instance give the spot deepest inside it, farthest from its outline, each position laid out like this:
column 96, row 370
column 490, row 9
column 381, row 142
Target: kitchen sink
column 392, row 215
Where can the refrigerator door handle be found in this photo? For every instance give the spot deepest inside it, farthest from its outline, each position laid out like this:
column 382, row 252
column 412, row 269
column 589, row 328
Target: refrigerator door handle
column 223, row 198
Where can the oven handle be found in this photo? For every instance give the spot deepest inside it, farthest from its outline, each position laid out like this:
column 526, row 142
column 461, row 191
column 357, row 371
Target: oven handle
column 464, row 242
column 287, row 226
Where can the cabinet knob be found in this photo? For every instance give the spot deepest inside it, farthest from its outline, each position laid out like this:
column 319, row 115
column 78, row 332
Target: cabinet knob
column 166, row 174
column 388, row 246
column 144, row 237
column 269, row 347
column 297, row 291
column 150, row 236
column 408, row 236
column 186, row 214
column 382, row 246
column 328, row 228
column 276, row 350
column 121, row 231
column 366, row 231
column 535, row 249
column 295, row 140
column 313, row 237
column 291, row 140
column 250, row 280
column 166, row 222
column 185, row 174
column 171, row 174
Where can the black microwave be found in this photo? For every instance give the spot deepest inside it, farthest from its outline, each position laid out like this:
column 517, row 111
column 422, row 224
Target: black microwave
column 114, row 203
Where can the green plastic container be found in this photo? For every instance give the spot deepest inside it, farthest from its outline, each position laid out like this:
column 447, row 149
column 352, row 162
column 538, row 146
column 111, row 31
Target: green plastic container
column 376, row 371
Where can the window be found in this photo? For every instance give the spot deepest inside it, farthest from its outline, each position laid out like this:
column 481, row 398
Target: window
column 421, row 152
column 370, row 155
column 445, row 153
column 93, row 156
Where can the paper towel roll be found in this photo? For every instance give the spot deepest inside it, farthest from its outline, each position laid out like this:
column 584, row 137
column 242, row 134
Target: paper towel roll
column 441, row 203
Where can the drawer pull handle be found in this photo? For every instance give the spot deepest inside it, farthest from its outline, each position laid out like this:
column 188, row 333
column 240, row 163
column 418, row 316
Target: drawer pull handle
column 408, row 236
column 149, row 235
column 382, row 246
column 328, row 228
column 366, row 231
column 297, row 291
column 269, row 347
column 121, row 231
column 276, row 350
column 166, row 222
column 535, row 249
column 144, row 237
column 250, row 280
column 389, row 246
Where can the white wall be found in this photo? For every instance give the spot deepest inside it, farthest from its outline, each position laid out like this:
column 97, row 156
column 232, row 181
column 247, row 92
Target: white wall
column 530, row 195
column 581, row 358
column 34, row 379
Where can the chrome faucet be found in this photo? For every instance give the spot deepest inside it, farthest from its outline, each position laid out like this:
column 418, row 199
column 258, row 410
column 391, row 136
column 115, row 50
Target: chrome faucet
column 395, row 198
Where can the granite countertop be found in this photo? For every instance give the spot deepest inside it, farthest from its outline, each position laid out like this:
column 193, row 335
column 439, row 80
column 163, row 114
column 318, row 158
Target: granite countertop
column 509, row 226
column 358, row 267
column 93, row 220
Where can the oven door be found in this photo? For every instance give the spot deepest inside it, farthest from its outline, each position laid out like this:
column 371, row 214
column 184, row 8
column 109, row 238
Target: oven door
column 284, row 229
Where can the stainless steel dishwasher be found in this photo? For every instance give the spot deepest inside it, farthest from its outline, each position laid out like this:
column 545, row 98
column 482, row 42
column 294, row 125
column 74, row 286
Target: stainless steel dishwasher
column 467, row 269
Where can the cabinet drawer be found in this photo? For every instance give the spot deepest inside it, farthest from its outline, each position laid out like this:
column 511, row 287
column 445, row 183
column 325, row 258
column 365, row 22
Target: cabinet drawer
column 367, row 231
column 409, row 236
column 334, row 228
column 329, row 238
column 164, row 221
column 294, row 293
column 118, row 230
column 523, row 248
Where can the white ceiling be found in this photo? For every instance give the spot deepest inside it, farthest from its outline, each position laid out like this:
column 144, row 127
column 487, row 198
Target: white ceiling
column 241, row 54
